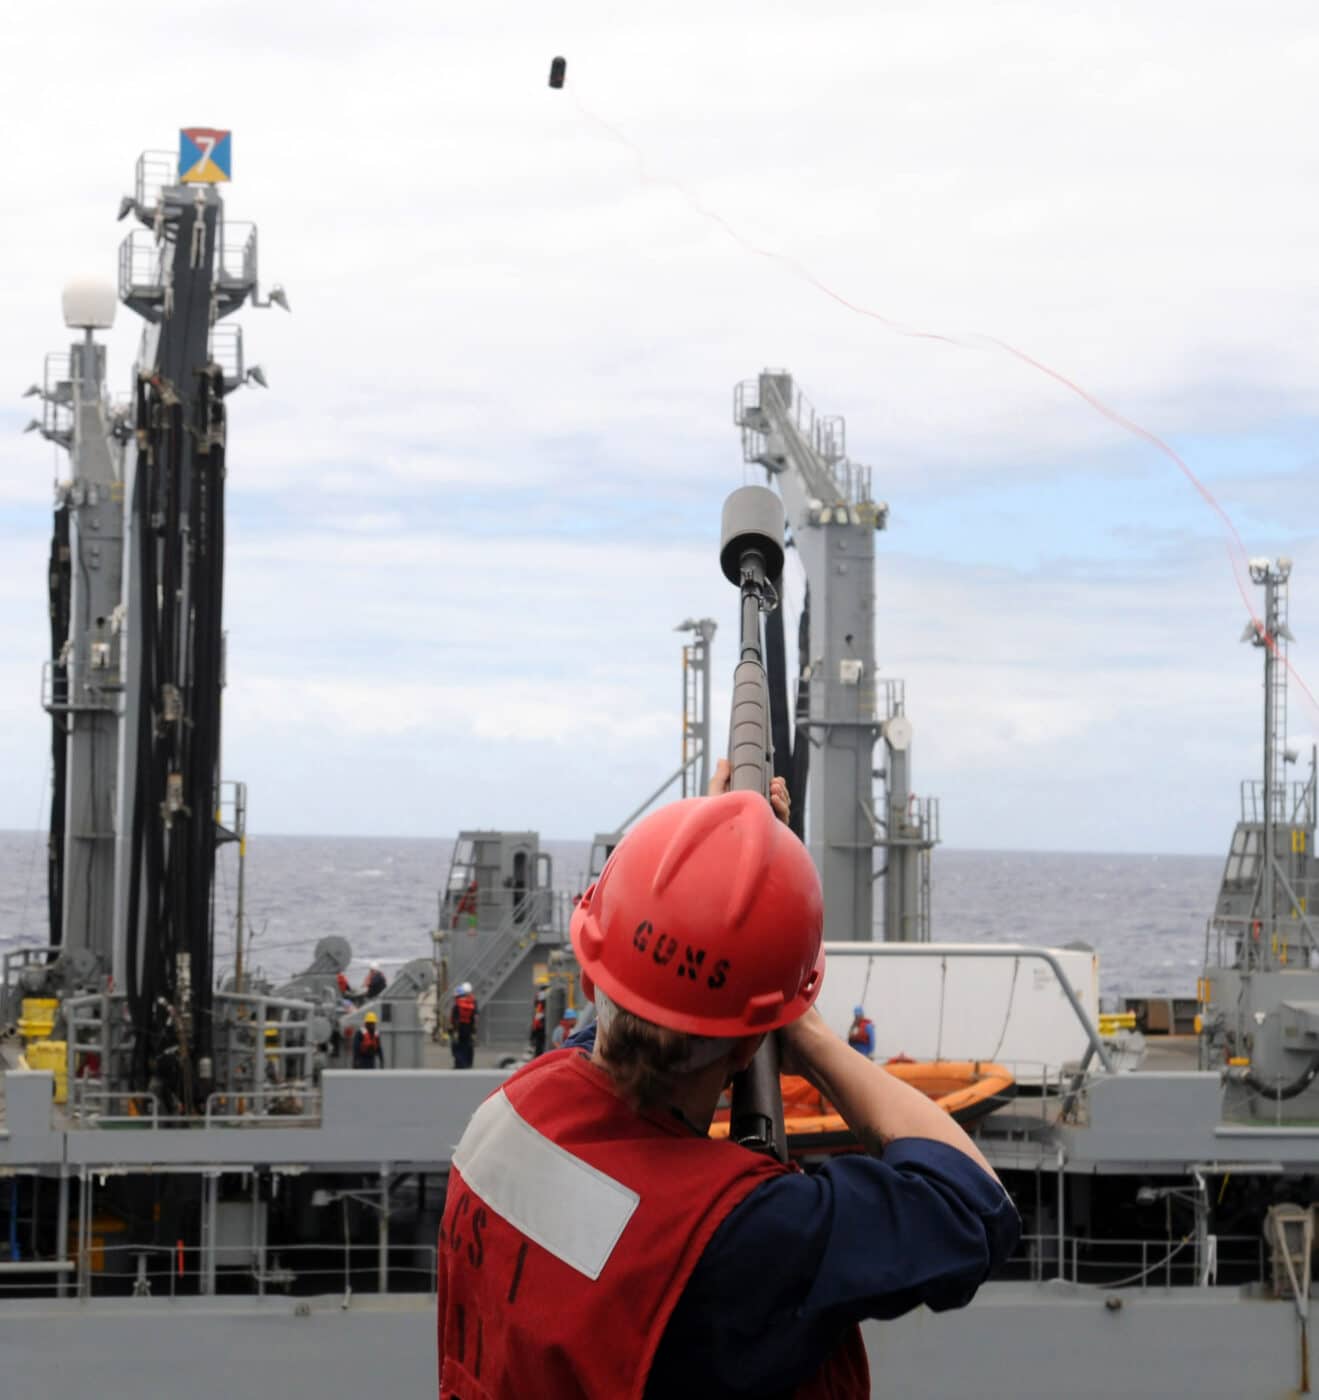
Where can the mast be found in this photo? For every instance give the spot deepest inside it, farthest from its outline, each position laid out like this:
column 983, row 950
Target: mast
column 1272, row 637
column 82, row 681
column 833, row 519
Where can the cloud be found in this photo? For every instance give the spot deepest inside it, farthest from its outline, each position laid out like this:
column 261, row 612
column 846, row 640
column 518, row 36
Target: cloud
column 521, row 713
column 485, row 483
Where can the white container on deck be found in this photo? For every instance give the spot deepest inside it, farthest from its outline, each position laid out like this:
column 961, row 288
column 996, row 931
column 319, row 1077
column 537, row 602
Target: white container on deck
column 966, row 1002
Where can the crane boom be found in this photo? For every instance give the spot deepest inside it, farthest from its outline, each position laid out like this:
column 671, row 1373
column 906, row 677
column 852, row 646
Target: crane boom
column 833, row 519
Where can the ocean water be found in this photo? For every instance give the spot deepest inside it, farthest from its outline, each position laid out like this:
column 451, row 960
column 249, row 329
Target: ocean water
column 1144, row 914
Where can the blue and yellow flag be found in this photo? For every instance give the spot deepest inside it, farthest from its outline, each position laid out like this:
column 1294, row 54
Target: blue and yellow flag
column 205, row 156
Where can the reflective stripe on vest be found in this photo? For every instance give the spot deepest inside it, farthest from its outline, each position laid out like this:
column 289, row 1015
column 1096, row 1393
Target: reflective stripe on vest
column 569, row 1208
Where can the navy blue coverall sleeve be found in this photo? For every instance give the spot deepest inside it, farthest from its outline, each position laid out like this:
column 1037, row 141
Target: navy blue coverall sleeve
column 807, row 1255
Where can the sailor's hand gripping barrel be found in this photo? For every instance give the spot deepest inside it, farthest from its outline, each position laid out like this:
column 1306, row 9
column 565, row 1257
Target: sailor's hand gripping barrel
column 751, row 555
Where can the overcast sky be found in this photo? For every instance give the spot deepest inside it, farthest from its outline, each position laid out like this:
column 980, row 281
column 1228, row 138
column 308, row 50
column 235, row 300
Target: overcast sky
column 485, row 482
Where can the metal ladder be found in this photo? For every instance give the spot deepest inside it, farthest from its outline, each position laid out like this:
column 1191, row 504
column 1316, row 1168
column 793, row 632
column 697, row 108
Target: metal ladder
column 505, row 951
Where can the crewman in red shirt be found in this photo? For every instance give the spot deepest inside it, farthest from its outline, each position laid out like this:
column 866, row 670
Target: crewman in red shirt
column 597, row 1243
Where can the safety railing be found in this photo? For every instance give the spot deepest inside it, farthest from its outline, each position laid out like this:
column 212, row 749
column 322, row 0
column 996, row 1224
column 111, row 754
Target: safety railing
column 57, row 396
column 156, row 171
column 1292, row 803
column 1170, row 1262
column 819, row 446
column 12, row 965
column 226, row 350
column 72, row 688
column 178, row 1270
column 92, row 1105
column 141, row 268
column 295, row 1105
column 831, row 438
column 1035, row 1096
column 236, row 256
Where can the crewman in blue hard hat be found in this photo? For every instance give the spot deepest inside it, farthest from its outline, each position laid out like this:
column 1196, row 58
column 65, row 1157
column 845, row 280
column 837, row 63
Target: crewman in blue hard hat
column 861, row 1034
column 565, row 1028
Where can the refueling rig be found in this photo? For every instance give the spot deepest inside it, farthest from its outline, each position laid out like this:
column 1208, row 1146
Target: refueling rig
column 133, row 688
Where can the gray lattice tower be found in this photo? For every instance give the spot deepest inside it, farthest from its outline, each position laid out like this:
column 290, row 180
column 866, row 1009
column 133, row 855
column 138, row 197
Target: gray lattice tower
column 696, row 705
column 833, row 521
column 1272, row 641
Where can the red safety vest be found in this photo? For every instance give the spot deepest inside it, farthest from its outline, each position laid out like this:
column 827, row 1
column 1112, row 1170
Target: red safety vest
column 538, row 1017
column 370, row 1041
column 860, row 1032
column 465, row 1011
column 342, row 982
column 539, row 1297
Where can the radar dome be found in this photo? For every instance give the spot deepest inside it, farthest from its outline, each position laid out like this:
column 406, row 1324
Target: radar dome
column 89, row 303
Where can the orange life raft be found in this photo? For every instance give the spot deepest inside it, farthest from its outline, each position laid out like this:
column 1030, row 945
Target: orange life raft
column 965, row 1089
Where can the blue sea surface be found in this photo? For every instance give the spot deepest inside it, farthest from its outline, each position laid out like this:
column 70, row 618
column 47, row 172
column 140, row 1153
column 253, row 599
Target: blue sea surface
column 1144, row 914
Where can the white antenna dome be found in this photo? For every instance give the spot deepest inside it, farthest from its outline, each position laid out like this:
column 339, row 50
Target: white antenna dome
column 89, row 303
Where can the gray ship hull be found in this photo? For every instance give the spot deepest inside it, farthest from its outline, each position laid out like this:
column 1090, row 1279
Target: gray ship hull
column 1015, row 1342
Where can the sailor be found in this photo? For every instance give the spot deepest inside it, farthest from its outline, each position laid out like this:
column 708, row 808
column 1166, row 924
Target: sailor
column 463, row 1020
column 596, row 1242
column 346, row 991
column 861, row 1033
column 274, row 1068
column 367, row 1052
column 538, row 1017
column 375, row 982
column 567, row 1025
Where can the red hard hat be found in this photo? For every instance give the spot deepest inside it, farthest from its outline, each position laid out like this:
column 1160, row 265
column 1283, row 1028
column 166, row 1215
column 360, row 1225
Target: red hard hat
column 706, row 919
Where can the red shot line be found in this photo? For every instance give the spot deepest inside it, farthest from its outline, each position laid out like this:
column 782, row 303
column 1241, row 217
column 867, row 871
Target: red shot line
column 1236, row 550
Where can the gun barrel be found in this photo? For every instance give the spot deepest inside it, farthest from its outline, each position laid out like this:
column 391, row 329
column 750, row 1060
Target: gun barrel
column 752, row 557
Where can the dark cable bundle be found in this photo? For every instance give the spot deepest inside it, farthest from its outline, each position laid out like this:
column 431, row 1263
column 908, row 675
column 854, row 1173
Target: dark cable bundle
column 178, row 510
